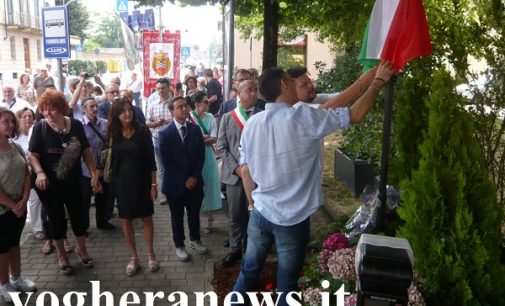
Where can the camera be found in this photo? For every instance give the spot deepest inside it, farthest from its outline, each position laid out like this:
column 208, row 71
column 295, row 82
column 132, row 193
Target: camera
column 87, row 75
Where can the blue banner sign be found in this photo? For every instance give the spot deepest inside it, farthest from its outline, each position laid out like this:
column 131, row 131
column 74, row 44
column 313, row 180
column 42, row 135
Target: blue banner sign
column 55, row 34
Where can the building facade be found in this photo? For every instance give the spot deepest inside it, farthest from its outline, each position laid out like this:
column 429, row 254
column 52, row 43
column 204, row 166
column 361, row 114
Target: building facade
column 21, row 47
column 248, row 52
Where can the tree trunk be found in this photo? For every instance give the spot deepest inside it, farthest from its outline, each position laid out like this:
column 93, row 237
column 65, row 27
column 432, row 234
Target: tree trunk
column 270, row 33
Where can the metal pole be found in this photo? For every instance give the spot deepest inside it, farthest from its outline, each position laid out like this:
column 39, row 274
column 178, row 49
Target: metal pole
column 231, row 46
column 386, row 143
column 161, row 23
column 61, row 83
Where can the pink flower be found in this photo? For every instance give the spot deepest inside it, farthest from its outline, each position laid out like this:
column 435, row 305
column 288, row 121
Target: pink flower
column 351, row 300
column 312, row 296
column 324, row 256
column 269, row 287
column 335, row 241
column 341, row 265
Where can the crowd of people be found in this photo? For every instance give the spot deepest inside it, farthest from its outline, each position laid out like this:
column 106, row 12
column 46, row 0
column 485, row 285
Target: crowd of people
column 179, row 152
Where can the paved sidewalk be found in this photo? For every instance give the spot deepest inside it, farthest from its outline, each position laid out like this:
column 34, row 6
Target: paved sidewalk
column 110, row 254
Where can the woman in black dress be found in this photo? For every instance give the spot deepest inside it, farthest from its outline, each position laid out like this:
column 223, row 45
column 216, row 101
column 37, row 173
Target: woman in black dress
column 133, row 177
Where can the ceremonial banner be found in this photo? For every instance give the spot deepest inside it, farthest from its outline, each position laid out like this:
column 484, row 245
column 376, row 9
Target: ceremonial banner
column 161, row 58
column 397, row 32
column 131, row 54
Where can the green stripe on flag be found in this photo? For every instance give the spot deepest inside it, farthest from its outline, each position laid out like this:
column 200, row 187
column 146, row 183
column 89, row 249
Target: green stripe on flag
column 368, row 63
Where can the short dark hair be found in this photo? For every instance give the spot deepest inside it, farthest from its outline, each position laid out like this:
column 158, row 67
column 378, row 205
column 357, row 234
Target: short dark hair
column 163, row 81
column 208, row 73
column 295, row 72
column 270, row 83
column 83, row 103
column 241, row 71
column 197, row 97
column 98, row 90
column 173, row 100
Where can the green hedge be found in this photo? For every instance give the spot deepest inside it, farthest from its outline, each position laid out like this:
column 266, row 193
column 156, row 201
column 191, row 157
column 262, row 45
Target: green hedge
column 77, row 66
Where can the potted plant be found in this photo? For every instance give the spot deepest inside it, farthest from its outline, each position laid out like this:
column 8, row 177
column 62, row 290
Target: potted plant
column 356, row 161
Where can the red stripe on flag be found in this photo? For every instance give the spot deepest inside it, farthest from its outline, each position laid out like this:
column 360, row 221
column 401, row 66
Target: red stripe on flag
column 408, row 36
column 237, row 120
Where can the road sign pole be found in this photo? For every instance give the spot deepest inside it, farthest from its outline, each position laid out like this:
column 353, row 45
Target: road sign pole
column 61, row 82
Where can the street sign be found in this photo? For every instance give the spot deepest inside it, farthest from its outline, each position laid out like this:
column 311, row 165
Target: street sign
column 185, row 51
column 121, row 6
column 55, row 32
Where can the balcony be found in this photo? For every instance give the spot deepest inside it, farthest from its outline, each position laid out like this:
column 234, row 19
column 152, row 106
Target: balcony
column 20, row 21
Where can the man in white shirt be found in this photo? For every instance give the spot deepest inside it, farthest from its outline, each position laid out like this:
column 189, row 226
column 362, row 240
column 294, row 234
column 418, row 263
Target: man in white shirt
column 135, row 86
column 158, row 115
column 11, row 101
column 306, row 92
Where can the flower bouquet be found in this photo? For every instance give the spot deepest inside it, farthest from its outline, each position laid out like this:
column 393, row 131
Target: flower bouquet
column 327, row 271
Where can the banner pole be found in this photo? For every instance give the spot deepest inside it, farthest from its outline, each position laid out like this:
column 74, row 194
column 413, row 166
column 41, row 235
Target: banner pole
column 386, row 144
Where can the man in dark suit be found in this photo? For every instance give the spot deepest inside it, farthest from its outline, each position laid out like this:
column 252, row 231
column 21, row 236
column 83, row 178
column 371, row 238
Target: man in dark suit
column 229, row 105
column 182, row 153
column 228, row 143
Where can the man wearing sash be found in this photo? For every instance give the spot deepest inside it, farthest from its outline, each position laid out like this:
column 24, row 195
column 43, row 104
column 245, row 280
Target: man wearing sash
column 280, row 172
column 228, row 142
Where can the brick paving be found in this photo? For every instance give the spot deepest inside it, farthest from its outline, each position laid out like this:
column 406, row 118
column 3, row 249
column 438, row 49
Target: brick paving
column 110, row 254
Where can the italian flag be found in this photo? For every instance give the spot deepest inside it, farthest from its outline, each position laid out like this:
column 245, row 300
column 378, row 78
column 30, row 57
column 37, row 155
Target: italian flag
column 397, row 32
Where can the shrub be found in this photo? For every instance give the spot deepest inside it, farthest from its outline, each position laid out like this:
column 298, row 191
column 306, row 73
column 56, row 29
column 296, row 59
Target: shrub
column 363, row 140
column 452, row 218
column 77, row 66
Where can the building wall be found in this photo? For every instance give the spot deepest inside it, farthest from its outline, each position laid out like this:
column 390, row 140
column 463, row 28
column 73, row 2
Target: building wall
column 248, row 53
column 16, row 26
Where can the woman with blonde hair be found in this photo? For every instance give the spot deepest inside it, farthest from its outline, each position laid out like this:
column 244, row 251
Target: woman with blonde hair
column 14, row 193
column 26, row 91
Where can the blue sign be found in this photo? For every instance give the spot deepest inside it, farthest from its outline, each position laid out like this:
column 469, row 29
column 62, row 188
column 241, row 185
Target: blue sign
column 55, row 34
column 79, row 48
column 121, row 6
column 186, row 51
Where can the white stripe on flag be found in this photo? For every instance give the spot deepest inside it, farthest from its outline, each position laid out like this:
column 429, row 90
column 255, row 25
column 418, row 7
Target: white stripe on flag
column 380, row 21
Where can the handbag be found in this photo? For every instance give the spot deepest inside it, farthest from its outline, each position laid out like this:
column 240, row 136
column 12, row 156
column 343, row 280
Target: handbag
column 103, row 155
column 106, row 161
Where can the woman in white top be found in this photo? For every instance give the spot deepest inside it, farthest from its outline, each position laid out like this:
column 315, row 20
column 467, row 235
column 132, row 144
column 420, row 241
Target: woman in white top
column 26, row 118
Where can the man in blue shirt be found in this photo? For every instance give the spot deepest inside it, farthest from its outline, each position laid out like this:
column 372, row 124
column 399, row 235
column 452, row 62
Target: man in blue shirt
column 280, row 161
column 96, row 132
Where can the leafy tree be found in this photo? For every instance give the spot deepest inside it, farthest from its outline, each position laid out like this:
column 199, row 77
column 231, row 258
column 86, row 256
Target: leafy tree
column 108, row 34
column 77, row 66
column 90, row 45
column 452, row 218
column 78, row 18
column 287, row 57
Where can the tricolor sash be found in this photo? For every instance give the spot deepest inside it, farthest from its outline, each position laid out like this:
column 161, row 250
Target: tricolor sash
column 193, row 117
column 239, row 116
